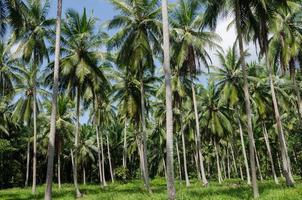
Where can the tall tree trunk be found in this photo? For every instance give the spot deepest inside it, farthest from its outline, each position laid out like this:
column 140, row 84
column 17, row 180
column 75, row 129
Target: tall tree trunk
column 247, row 101
column 125, row 146
column 240, row 170
column 197, row 165
column 103, row 160
column 99, row 155
column 234, row 161
column 269, row 152
column 178, row 160
column 184, row 154
column 244, row 153
column 144, row 137
column 109, row 158
column 258, row 163
column 200, row 156
column 282, row 141
column 52, row 133
column 27, row 162
column 74, row 152
column 35, row 137
column 218, row 163
column 169, row 112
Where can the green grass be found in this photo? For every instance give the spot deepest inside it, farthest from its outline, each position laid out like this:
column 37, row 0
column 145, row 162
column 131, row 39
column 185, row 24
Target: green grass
column 232, row 189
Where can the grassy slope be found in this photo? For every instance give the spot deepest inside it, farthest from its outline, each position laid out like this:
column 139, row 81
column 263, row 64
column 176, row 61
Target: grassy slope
column 231, row 189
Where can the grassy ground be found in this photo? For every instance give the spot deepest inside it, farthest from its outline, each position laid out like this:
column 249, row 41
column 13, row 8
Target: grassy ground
column 232, row 189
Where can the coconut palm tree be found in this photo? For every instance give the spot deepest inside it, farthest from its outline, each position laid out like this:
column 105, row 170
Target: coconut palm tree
column 31, row 39
column 190, row 45
column 79, row 65
column 86, row 147
column 217, row 124
column 228, row 78
column 169, row 112
column 52, row 133
column 267, row 11
column 64, row 125
column 242, row 13
column 138, row 40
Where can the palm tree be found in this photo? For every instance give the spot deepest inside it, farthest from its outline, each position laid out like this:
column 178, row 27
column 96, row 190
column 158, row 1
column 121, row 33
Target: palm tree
column 228, row 78
column 52, row 133
column 127, row 94
column 217, row 124
column 181, row 88
column 86, row 147
column 137, row 40
column 79, row 64
column 242, row 12
column 31, row 40
column 265, row 43
column 64, row 124
column 190, row 44
column 24, row 106
column 169, row 112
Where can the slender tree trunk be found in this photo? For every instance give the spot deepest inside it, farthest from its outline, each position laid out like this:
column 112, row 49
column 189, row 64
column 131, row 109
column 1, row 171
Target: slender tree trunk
column 84, row 176
column 247, row 101
column 240, row 170
column 197, row 165
column 244, row 153
column 200, row 156
column 103, row 160
column 184, row 155
column 234, row 161
column 99, row 155
column 169, row 113
column 76, row 142
column 269, row 153
column 35, row 138
column 282, row 141
column 109, row 158
column 52, row 133
column 178, row 160
column 125, row 146
column 27, row 162
column 144, row 138
column 218, row 163
column 258, row 164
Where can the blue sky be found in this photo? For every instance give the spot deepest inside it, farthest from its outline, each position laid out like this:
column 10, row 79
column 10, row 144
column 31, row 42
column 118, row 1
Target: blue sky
column 100, row 8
